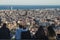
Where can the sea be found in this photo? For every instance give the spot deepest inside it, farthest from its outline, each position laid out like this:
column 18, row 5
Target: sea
column 3, row 7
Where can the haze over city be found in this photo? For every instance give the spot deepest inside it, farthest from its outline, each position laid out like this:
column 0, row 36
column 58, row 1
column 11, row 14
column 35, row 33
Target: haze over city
column 29, row 2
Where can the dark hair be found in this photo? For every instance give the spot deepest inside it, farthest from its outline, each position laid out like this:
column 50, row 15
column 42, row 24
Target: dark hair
column 51, row 31
column 0, row 21
column 20, row 26
column 4, row 25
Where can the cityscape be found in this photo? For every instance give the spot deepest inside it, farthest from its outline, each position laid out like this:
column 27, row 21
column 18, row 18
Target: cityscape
column 44, row 17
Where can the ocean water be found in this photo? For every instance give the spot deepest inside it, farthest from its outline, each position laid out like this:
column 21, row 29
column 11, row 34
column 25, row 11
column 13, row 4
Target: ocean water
column 28, row 6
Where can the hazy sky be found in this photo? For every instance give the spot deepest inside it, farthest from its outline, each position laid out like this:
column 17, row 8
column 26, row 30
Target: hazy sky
column 29, row 2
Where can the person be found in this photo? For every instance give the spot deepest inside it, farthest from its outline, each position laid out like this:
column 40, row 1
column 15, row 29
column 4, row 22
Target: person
column 0, row 21
column 35, row 33
column 18, row 32
column 51, row 33
column 4, row 32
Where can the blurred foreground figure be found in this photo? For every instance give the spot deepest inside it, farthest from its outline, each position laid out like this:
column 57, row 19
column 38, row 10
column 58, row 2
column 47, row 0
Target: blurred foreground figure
column 4, row 32
column 20, row 29
column 35, row 33
column 51, row 33
column 0, row 21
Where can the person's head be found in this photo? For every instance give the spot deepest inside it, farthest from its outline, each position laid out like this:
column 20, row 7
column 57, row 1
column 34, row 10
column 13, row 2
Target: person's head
column 4, row 25
column 20, row 26
column 0, row 21
column 51, row 31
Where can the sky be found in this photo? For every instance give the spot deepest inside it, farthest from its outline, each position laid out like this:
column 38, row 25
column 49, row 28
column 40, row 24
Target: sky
column 29, row 2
